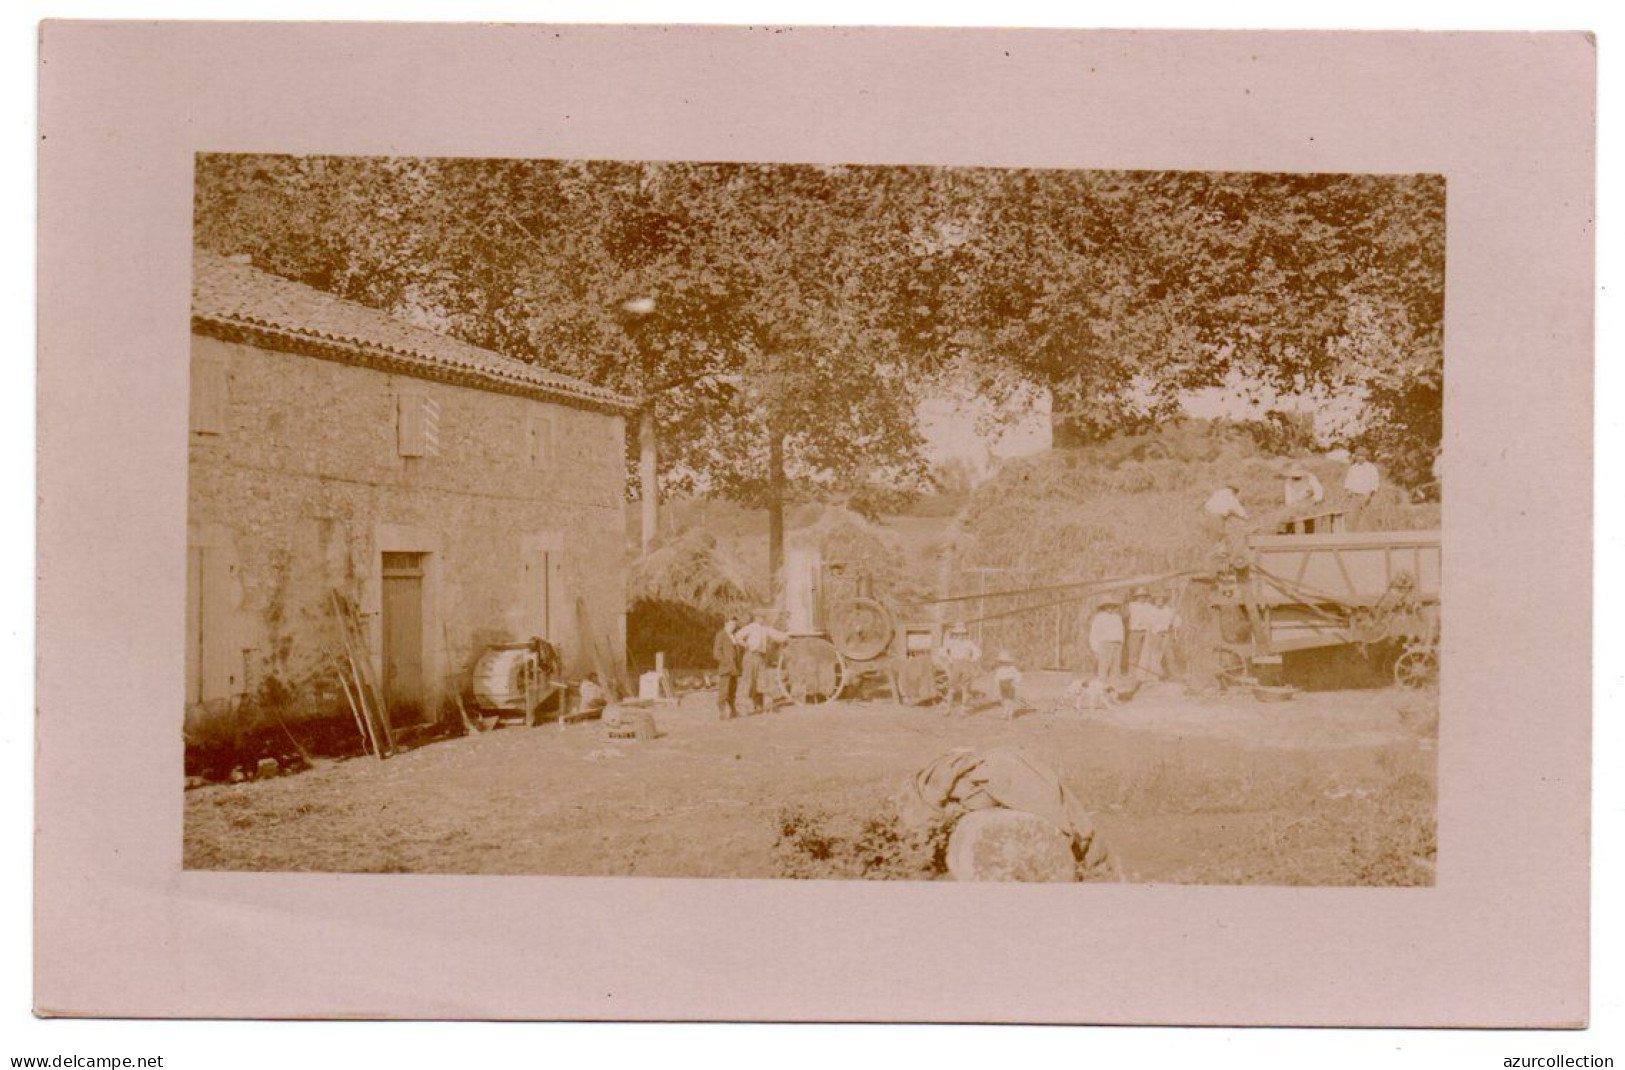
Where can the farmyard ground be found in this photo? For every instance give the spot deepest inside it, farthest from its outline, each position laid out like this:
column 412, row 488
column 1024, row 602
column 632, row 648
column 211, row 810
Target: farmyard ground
column 1330, row 788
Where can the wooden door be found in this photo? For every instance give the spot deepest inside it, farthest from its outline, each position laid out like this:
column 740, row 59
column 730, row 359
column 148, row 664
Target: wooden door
column 403, row 638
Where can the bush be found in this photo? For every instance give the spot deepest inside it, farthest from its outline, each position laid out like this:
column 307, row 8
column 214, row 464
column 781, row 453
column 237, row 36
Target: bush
column 815, row 843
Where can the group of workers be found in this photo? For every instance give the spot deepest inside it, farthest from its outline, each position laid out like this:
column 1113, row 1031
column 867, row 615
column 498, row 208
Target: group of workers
column 1301, row 489
column 1132, row 642
column 740, row 650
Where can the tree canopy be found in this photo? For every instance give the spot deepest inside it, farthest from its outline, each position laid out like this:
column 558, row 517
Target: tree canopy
column 784, row 319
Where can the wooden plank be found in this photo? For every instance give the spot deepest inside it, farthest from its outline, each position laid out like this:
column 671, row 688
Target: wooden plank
column 367, row 689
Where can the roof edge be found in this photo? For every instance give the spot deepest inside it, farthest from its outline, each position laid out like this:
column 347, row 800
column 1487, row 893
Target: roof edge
column 388, row 359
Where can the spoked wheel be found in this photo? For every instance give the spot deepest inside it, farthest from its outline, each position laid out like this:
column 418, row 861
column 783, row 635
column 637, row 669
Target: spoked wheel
column 811, row 671
column 1417, row 668
column 862, row 630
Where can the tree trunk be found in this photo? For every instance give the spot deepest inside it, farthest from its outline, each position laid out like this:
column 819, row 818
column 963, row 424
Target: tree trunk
column 775, row 509
column 649, row 474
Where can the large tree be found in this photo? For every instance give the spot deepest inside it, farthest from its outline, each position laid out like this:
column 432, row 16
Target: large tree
column 782, row 317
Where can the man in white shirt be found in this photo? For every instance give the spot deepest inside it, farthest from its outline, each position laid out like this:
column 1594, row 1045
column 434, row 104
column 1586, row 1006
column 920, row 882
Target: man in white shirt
column 1302, row 486
column 962, row 661
column 1140, row 614
column 1224, row 504
column 1227, row 518
column 1106, row 640
column 755, row 638
column 1160, row 629
column 1361, row 481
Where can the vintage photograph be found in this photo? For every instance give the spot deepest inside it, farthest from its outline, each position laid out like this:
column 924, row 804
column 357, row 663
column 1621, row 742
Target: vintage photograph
column 813, row 521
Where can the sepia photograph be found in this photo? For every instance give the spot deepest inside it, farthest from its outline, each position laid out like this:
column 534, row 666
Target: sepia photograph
column 700, row 523
column 813, row 521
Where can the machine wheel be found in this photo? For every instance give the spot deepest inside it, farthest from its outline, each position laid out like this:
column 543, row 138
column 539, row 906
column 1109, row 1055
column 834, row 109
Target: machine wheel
column 862, row 630
column 811, row 671
column 1417, row 668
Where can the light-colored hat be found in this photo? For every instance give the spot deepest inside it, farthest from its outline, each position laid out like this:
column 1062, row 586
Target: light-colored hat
column 1006, row 658
column 1110, row 600
column 957, row 628
column 1297, row 471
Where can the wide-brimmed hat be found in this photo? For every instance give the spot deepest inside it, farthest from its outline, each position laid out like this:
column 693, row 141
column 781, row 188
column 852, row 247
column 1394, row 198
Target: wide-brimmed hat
column 957, row 629
column 1139, row 592
column 1297, row 471
column 1110, row 600
column 1006, row 658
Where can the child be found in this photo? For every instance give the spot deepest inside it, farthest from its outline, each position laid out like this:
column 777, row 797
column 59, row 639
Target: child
column 1005, row 678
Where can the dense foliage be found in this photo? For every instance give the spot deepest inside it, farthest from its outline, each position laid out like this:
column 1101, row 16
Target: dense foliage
column 785, row 318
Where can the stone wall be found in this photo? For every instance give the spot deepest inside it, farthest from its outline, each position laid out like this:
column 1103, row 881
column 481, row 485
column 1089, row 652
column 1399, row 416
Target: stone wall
column 304, row 488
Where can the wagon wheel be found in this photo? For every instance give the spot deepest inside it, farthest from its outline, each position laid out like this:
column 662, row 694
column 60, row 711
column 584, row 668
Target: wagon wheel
column 1232, row 669
column 862, row 630
column 1417, row 668
column 811, row 671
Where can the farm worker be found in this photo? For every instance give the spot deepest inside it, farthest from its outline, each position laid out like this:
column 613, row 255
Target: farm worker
column 726, row 652
column 1140, row 614
column 1361, row 480
column 1160, row 628
column 1005, row 677
column 1227, row 517
column 1106, row 640
column 1302, row 486
column 1224, row 504
column 755, row 637
column 962, row 660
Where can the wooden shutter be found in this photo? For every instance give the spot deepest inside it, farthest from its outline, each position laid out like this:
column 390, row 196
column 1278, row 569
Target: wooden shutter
column 539, row 434
column 417, row 424
column 211, row 396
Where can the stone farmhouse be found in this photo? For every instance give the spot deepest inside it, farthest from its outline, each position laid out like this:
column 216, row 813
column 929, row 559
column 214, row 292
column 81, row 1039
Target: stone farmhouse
column 456, row 496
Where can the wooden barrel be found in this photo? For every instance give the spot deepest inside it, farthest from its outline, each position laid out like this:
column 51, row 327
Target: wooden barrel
column 499, row 676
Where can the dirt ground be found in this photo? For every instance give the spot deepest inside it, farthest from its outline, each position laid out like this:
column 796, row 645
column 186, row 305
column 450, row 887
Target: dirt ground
column 1330, row 788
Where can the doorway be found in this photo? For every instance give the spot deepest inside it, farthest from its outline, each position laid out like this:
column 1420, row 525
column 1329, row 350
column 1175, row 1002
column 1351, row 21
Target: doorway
column 402, row 627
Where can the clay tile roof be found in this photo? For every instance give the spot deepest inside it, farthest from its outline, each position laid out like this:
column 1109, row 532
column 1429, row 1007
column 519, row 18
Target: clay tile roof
column 242, row 303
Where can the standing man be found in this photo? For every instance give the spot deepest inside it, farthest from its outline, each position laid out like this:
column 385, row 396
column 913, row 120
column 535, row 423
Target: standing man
column 1362, row 481
column 1227, row 517
column 961, row 660
column 1140, row 616
column 726, row 652
column 1155, row 651
column 1106, row 640
column 756, row 637
column 1302, row 486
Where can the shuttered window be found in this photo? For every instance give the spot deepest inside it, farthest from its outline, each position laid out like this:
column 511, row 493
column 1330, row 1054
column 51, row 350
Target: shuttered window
column 211, row 395
column 417, row 424
column 539, row 435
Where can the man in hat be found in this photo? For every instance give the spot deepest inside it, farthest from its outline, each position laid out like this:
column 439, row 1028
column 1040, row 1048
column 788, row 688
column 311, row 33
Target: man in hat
column 1140, row 615
column 1361, row 481
column 961, row 660
column 1224, row 504
column 1302, row 486
column 1106, row 639
column 1227, row 517
column 1163, row 620
column 726, row 653
column 755, row 638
